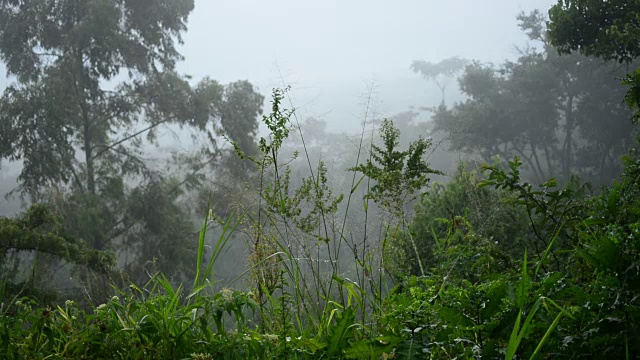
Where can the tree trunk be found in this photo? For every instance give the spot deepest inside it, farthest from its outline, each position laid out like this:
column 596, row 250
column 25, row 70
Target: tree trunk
column 88, row 153
column 568, row 141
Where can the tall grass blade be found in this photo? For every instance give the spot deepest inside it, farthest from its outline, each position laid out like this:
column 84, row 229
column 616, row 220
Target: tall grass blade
column 221, row 244
column 546, row 336
column 201, row 239
column 548, row 250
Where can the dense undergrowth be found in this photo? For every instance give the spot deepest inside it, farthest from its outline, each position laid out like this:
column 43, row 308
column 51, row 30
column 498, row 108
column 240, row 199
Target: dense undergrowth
column 486, row 266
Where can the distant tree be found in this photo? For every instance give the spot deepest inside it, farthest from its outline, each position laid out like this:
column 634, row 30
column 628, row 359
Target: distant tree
column 561, row 115
column 606, row 29
column 93, row 77
column 440, row 73
column 40, row 230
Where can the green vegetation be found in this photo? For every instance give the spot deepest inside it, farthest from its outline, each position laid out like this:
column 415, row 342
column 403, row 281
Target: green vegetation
column 571, row 291
column 546, row 109
column 606, row 29
column 501, row 260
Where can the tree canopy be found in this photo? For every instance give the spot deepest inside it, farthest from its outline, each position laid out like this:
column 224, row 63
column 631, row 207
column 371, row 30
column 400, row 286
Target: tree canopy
column 606, row 29
column 94, row 82
column 555, row 112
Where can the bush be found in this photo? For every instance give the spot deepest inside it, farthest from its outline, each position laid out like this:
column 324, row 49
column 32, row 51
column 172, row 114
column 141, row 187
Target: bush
column 459, row 213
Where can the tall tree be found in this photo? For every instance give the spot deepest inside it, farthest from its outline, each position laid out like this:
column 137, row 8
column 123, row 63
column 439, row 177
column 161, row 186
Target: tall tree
column 440, row 73
column 560, row 114
column 93, row 78
column 606, row 29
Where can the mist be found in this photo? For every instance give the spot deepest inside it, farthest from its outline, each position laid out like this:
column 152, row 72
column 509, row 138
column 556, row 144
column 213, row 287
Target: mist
column 337, row 57
column 332, row 52
column 337, row 179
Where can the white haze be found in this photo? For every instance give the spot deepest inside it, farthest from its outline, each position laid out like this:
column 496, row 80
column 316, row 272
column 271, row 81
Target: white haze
column 332, row 52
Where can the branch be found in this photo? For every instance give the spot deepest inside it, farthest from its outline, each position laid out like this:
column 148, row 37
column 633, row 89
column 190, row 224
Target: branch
column 127, row 138
column 193, row 173
column 77, row 179
column 46, row 54
column 171, row 191
column 20, row 239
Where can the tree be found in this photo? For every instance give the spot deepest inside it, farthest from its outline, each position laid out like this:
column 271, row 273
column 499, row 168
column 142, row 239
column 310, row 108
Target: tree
column 555, row 112
column 41, row 230
column 440, row 73
column 606, row 29
column 458, row 214
column 93, row 77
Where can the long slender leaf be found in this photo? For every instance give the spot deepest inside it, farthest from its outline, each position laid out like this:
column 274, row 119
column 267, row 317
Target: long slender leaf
column 201, row 239
column 546, row 336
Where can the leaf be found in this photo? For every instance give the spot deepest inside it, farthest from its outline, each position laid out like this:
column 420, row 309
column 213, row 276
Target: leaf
column 410, row 349
column 365, row 349
column 524, row 286
column 546, row 336
column 485, row 183
column 353, row 189
column 342, row 331
column 201, row 239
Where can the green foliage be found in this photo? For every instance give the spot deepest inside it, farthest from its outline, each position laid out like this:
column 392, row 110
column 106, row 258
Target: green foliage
column 41, row 231
column 278, row 124
column 554, row 212
column 306, row 204
column 577, row 295
column 460, row 214
column 561, row 115
column 398, row 174
column 606, row 29
column 450, row 317
column 142, row 323
column 601, row 28
column 571, row 295
column 632, row 98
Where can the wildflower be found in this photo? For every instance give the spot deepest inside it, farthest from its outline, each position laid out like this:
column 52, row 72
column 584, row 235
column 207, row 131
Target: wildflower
column 227, row 295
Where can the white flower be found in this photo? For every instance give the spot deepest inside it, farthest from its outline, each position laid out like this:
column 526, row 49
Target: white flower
column 227, row 295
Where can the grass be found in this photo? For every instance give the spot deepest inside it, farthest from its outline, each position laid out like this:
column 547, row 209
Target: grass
column 301, row 303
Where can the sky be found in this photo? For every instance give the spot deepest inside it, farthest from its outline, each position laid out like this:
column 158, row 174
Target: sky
column 333, row 52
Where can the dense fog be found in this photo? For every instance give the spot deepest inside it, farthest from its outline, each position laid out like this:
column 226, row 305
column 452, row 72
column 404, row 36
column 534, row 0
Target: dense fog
column 334, row 55
column 377, row 173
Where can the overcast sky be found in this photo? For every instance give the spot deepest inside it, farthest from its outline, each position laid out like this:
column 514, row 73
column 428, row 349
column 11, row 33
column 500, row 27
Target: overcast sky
column 330, row 51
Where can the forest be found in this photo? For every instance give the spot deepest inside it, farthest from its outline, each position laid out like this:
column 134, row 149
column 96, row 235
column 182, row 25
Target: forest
column 501, row 223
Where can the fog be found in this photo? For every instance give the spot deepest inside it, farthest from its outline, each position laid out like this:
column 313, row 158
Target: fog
column 132, row 169
column 365, row 179
column 336, row 55
column 332, row 52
